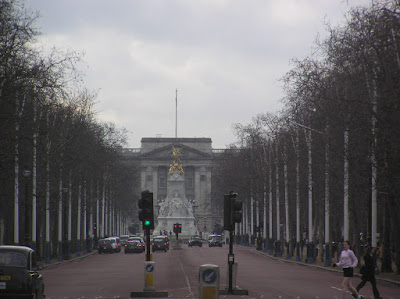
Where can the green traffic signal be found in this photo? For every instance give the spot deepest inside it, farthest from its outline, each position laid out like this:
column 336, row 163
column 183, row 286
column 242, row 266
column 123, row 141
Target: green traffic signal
column 146, row 212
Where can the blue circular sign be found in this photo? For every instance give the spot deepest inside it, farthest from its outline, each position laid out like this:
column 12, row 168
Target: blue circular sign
column 209, row 276
column 149, row 268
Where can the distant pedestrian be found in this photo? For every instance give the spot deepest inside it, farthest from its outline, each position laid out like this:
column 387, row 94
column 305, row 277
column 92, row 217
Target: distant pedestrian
column 368, row 272
column 302, row 247
column 348, row 261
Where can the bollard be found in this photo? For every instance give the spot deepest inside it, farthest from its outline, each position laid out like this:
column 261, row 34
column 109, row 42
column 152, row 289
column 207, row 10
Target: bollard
column 208, row 281
column 149, row 269
column 149, row 290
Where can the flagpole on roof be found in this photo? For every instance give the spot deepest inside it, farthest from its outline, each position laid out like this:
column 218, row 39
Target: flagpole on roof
column 176, row 113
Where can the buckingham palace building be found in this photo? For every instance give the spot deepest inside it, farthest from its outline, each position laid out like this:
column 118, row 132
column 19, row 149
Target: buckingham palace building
column 153, row 161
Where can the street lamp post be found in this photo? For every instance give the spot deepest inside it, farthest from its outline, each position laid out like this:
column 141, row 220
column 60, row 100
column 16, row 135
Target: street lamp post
column 27, row 236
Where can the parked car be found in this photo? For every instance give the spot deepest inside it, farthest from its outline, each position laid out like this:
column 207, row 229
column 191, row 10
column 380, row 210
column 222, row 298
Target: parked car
column 140, row 240
column 19, row 276
column 133, row 246
column 215, row 241
column 195, row 241
column 159, row 243
column 115, row 244
column 104, row 245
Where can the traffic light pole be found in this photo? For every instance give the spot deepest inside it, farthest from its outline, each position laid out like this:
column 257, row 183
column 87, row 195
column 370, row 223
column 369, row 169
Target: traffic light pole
column 231, row 260
column 148, row 245
column 232, row 215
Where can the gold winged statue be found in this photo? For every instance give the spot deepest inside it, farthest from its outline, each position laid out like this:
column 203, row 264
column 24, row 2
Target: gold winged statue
column 175, row 161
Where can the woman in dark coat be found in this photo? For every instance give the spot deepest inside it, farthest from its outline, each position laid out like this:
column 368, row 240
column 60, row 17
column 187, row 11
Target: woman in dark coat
column 368, row 272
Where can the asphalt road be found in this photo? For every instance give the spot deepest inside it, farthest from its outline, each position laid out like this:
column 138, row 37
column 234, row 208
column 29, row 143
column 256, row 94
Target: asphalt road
column 177, row 272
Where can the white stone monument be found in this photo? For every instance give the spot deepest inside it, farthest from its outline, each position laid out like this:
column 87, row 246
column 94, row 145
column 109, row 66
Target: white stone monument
column 176, row 208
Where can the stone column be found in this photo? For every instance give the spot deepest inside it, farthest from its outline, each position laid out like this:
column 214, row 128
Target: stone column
column 155, row 184
column 143, row 174
column 197, row 192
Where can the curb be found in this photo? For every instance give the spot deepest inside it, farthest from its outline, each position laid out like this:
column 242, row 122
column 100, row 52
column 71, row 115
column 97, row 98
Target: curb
column 67, row 261
column 320, row 267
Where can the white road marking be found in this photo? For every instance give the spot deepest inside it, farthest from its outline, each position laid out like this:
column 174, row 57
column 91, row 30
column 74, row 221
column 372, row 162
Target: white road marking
column 348, row 292
column 186, row 277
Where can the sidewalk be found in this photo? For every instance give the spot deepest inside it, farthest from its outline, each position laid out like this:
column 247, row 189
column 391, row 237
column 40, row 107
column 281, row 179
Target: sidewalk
column 388, row 277
column 55, row 262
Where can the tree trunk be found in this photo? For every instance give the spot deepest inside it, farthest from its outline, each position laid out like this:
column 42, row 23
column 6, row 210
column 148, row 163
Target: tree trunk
column 386, row 254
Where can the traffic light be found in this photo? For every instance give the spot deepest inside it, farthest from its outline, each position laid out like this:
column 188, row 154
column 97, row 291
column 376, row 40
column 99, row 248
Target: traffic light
column 227, row 213
column 236, row 208
column 94, row 229
column 146, row 213
column 232, row 211
column 177, row 228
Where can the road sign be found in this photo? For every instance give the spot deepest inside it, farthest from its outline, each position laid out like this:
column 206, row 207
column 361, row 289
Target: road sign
column 149, row 268
column 209, row 276
column 209, row 281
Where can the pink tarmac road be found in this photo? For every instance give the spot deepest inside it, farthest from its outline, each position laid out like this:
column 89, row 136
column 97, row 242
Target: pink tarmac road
column 117, row 275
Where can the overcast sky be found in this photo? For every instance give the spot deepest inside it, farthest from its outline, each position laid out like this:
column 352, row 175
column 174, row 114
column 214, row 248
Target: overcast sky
column 225, row 57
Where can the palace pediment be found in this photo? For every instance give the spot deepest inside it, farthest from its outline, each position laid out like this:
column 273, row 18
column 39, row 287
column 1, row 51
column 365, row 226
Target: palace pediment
column 165, row 153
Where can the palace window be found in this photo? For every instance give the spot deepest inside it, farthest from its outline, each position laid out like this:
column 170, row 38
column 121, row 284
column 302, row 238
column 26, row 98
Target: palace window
column 190, row 183
column 161, row 183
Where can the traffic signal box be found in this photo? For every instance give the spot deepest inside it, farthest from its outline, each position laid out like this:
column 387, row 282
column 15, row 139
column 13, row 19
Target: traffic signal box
column 232, row 211
column 236, row 208
column 177, row 228
column 146, row 212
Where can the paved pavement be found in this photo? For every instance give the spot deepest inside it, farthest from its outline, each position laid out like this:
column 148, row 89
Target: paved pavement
column 55, row 262
column 388, row 277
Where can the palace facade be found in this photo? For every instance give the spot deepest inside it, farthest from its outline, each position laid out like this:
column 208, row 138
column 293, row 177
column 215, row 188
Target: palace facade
column 153, row 160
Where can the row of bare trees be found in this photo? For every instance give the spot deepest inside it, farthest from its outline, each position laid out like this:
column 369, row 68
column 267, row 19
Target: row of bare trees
column 59, row 167
column 327, row 167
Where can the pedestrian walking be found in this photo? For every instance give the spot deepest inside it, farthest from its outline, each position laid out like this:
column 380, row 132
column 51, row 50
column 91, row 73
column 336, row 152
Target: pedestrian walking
column 368, row 272
column 348, row 261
